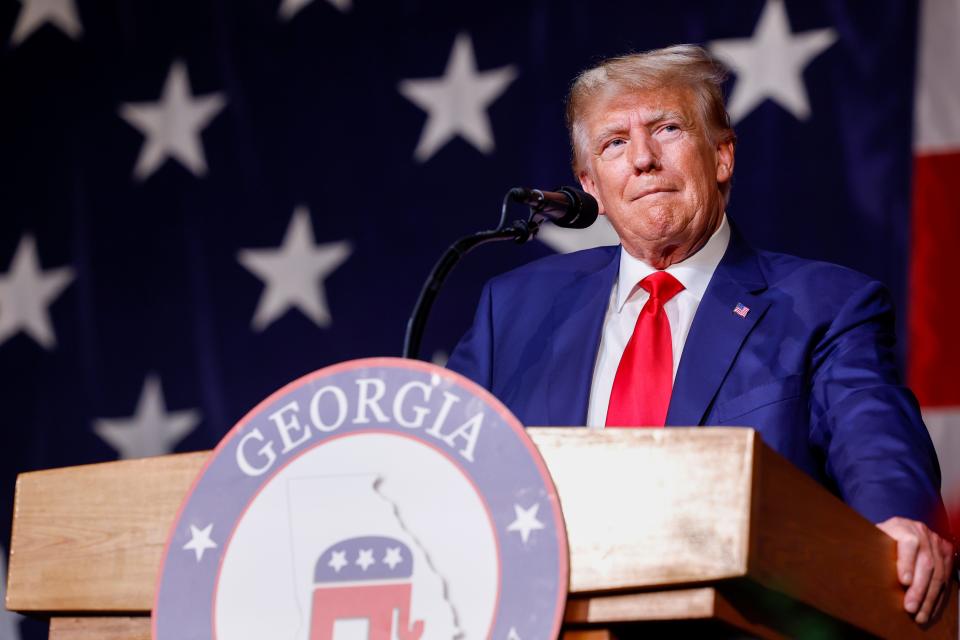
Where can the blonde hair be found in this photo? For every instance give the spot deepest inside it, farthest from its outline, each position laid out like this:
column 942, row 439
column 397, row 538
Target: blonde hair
column 683, row 65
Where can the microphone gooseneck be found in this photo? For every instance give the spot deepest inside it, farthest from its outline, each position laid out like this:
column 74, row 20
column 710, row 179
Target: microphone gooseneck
column 566, row 207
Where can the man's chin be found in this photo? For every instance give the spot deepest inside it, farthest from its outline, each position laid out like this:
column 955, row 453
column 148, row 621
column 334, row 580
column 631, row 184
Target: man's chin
column 654, row 224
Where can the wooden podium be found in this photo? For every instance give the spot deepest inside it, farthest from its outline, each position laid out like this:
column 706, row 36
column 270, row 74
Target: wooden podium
column 699, row 532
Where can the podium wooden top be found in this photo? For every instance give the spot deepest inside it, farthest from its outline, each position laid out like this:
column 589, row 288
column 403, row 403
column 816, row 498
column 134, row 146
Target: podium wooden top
column 652, row 507
column 645, row 509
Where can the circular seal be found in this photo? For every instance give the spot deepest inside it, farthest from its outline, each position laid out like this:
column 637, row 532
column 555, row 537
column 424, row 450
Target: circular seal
column 378, row 499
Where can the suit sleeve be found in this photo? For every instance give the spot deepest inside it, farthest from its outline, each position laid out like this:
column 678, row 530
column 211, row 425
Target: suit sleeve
column 867, row 423
column 473, row 355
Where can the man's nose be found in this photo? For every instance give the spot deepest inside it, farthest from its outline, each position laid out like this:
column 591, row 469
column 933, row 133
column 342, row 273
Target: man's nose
column 645, row 153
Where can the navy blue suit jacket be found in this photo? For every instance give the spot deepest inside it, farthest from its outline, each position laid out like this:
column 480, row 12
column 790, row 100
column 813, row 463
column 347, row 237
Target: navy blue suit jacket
column 811, row 366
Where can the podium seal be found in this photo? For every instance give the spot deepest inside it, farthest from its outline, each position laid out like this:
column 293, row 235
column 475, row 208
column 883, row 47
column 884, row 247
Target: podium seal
column 375, row 499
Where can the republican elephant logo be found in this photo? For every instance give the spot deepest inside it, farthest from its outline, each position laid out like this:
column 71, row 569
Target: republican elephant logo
column 367, row 577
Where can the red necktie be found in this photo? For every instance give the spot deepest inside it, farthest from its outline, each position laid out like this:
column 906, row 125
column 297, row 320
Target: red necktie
column 644, row 380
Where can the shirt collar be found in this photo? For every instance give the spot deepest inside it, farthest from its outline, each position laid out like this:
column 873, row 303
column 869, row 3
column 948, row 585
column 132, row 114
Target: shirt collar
column 694, row 273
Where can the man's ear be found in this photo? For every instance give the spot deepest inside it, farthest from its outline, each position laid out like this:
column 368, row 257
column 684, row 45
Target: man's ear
column 590, row 187
column 725, row 160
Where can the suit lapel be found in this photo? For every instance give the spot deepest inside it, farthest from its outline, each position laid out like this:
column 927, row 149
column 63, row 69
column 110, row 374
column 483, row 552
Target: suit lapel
column 717, row 333
column 577, row 321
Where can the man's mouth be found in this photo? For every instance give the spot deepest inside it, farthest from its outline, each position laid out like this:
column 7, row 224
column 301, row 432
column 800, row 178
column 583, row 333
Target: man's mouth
column 649, row 192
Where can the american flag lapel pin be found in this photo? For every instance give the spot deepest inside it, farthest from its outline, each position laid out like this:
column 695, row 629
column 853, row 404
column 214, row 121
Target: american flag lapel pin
column 741, row 310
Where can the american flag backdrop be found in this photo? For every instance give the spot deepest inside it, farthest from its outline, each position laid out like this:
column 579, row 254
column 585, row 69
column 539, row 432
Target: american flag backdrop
column 201, row 200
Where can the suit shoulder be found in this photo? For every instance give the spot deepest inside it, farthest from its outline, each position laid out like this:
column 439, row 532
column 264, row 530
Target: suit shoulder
column 823, row 292
column 787, row 271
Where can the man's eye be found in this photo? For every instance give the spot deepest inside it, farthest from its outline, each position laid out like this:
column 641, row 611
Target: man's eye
column 612, row 148
column 670, row 128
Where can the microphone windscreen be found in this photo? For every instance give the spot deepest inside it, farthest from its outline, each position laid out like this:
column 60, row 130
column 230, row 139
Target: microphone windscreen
column 582, row 213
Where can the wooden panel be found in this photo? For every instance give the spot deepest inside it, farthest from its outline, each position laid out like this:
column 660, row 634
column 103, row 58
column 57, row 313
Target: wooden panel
column 134, row 628
column 704, row 603
column 675, row 604
column 588, row 634
column 648, row 507
column 90, row 538
column 799, row 544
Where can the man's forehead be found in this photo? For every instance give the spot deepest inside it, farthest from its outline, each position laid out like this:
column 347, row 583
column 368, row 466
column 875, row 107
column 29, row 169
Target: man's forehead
column 646, row 104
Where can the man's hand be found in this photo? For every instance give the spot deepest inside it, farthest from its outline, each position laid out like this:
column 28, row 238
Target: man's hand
column 924, row 564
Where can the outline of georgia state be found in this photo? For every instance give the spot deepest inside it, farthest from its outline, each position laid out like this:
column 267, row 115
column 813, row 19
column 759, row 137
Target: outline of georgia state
column 371, row 514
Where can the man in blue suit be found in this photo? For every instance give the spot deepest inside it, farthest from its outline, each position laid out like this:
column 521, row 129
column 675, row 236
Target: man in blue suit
column 686, row 324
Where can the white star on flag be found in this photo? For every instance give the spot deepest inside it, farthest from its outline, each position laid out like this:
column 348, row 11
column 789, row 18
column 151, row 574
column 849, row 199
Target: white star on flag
column 290, row 8
column 365, row 558
column 770, row 63
column 526, row 521
column 200, row 541
column 338, row 560
column 294, row 273
column 35, row 13
column 456, row 103
column 151, row 431
column 27, row 291
column 599, row 234
column 513, row 635
column 392, row 557
column 172, row 125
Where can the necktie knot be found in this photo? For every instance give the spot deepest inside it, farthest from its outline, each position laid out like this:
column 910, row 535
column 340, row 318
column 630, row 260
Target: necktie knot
column 661, row 286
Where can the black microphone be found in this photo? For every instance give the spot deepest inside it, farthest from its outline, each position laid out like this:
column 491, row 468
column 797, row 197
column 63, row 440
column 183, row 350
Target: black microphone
column 566, row 207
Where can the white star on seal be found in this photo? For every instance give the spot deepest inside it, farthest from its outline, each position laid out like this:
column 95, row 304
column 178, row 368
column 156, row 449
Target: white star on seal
column 294, row 273
column 200, row 541
column 338, row 560
column 365, row 558
column 290, row 8
column 526, row 521
column 172, row 125
column 770, row 63
column 151, row 430
column 27, row 291
column 456, row 103
column 392, row 557
column 35, row 13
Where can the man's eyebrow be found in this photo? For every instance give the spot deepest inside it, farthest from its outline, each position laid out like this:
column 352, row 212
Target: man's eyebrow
column 660, row 116
column 614, row 127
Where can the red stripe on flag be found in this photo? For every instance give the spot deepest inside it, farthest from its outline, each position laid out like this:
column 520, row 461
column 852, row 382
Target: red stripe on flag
column 933, row 361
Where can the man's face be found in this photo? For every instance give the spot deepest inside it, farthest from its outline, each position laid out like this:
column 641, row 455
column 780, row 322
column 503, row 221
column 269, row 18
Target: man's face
column 651, row 165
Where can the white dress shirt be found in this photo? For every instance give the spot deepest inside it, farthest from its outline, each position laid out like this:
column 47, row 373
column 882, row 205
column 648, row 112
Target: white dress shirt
column 627, row 299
